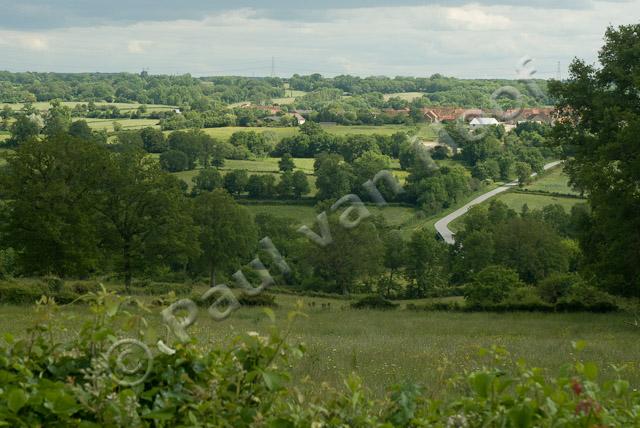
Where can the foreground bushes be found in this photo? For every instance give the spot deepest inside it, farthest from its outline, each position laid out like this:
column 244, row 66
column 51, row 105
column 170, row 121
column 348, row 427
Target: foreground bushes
column 44, row 382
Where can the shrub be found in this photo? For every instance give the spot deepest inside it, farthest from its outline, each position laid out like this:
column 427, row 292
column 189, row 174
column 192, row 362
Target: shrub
column 523, row 299
column 490, row 286
column 374, row 302
column 7, row 263
column 53, row 283
column 448, row 306
column 587, row 298
column 262, row 299
column 557, row 286
column 20, row 293
column 85, row 287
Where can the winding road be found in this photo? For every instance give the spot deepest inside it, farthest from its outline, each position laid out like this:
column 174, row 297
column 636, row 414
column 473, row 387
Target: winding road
column 442, row 225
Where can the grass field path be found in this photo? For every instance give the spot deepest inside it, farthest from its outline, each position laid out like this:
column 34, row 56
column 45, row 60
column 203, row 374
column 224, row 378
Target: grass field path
column 442, row 225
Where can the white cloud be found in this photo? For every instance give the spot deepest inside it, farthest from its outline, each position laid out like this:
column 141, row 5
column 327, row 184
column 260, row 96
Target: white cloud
column 468, row 41
column 138, row 46
column 33, row 42
column 475, row 18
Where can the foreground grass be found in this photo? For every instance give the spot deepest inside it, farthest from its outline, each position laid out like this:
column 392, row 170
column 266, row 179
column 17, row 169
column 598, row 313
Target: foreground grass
column 389, row 347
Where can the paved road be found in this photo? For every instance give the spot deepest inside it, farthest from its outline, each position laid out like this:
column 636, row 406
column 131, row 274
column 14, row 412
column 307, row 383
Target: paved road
column 442, row 225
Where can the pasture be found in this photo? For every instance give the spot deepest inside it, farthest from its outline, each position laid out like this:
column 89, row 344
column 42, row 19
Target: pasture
column 407, row 96
column 390, row 347
column 516, row 200
column 127, row 124
column 278, row 133
column 553, row 181
column 123, row 107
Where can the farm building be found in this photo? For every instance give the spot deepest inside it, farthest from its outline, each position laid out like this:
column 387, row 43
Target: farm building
column 299, row 118
column 479, row 122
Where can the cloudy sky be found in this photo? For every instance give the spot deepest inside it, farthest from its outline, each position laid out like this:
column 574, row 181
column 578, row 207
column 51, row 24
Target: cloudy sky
column 484, row 38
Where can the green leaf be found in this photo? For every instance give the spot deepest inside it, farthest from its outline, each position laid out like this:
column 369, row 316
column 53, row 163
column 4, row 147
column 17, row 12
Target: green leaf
column 591, row 371
column 281, row 423
column 16, row 399
column 521, row 416
column 270, row 314
column 481, row 382
column 579, row 345
column 273, row 380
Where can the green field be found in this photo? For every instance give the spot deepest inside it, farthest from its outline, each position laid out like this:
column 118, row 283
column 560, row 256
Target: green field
column 123, row 107
column 409, row 96
column 226, row 132
column 389, row 347
column 516, row 201
column 290, row 97
column 554, row 181
column 127, row 124
column 424, row 132
column 270, row 166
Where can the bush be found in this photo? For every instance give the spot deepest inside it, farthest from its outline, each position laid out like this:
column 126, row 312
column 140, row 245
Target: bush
column 20, row 293
column 148, row 288
column 450, row 306
column 25, row 292
column 53, row 283
column 557, row 286
column 587, row 298
column 374, row 302
column 7, row 263
column 85, row 287
column 262, row 299
column 490, row 286
column 523, row 299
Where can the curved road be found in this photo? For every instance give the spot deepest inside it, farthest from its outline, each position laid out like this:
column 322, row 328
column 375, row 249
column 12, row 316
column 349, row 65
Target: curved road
column 442, row 225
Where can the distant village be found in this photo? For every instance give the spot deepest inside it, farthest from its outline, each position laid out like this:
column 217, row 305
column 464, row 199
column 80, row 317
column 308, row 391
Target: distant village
column 476, row 118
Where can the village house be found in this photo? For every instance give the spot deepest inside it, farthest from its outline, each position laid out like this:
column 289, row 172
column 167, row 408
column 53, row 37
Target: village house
column 479, row 122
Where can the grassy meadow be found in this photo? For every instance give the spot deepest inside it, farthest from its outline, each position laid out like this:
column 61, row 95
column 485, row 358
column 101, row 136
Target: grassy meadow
column 127, row 124
column 408, row 96
column 424, row 132
column 553, row 181
column 516, row 200
column 123, row 107
column 389, row 347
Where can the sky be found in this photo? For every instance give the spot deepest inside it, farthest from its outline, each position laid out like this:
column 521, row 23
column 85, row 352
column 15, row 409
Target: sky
column 480, row 39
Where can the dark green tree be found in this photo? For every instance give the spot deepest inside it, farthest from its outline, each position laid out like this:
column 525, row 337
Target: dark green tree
column 353, row 254
column 207, row 180
column 426, row 263
column 235, row 182
column 286, row 163
column 300, row 184
column 598, row 128
column 227, row 233
column 145, row 220
column 50, row 189
column 153, row 140
column 174, row 161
